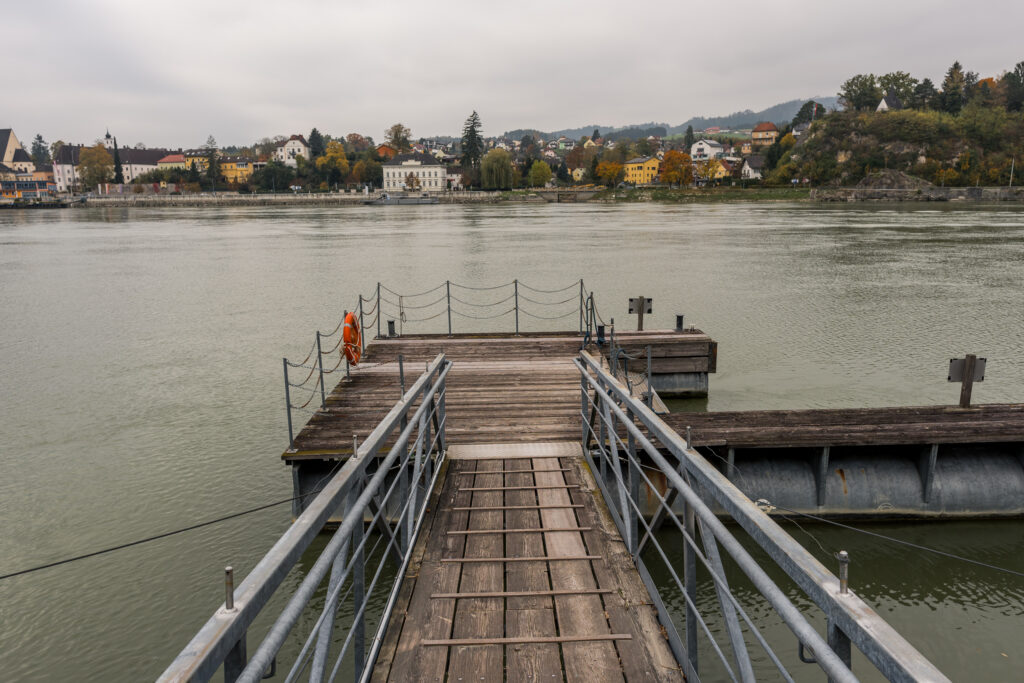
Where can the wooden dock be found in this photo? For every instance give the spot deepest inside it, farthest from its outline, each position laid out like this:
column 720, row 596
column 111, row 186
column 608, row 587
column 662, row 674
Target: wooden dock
column 520, row 575
column 530, row 378
column 989, row 423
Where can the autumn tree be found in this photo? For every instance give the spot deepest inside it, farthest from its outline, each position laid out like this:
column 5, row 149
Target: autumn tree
column 356, row 142
column 472, row 143
column 40, row 152
column 576, row 157
column 610, row 172
column 860, row 92
column 333, row 165
column 317, row 145
column 677, row 168
column 95, row 165
column 708, row 169
column 397, row 136
column 540, row 174
column 358, row 174
column 412, row 181
column 496, row 170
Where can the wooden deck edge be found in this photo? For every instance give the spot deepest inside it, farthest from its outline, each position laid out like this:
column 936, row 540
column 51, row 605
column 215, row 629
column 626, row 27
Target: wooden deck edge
column 389, row 646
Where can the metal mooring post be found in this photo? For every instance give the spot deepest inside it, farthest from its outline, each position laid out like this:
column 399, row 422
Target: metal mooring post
column 234, row 661
column 448, row 293
column 362, row 327
column 613, row 357
column 288, row 402
column 401, row 373
column 516, row 283
column 837, row 640
column 320, row 365
column 968, row 382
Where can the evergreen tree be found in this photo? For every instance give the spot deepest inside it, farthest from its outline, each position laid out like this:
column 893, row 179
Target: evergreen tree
column 563, row 172
column 40, row 151
column 596, row 135
column 212, row 162
column 954, row 89
column 472, row 143
column 689, row 139
column 118, row 170
column 1014, row 85
column 925, row 95
column 317, row 145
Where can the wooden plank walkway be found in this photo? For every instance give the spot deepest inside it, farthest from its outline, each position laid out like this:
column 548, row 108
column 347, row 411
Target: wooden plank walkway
column 520, row 575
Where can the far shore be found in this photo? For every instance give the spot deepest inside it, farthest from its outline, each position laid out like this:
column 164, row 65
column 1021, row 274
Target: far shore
column 664, row 195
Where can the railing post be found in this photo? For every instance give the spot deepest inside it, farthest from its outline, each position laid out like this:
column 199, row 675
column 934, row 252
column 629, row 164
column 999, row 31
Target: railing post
column 341, row 344
column 448, row 294
column 516, row 283
column 581, row 306
column 379, row 316
column 358, row 596
column 613, row 356
column 288, row 403
column 633, row 484
column 650, row 380
column 401, row 376
column 839, row 642
column 323, row 643
column 690, row 578
column 320, row 365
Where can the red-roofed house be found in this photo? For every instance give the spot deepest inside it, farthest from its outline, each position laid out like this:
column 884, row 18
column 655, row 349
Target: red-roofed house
column 764, row 134
column 171, row 161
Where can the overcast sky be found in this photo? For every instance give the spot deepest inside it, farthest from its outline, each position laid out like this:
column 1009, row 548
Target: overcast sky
column 171, row 73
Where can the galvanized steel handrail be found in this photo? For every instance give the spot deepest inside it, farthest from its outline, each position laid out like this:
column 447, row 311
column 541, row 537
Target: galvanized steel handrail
column 222, row 638
column 850, row 620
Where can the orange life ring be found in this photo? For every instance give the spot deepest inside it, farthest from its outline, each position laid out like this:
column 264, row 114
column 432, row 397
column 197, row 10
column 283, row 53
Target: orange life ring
column 352, row 338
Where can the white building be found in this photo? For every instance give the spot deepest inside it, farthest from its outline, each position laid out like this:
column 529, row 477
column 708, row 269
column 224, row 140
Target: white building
column 430, row 174
column 65, row 167
column 706, row 149
column 752, row 168
column 294, row 146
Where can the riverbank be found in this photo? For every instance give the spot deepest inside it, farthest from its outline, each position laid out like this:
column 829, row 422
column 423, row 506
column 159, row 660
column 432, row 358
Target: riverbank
column 930, row 193
column 701, row 195
column 281, row 199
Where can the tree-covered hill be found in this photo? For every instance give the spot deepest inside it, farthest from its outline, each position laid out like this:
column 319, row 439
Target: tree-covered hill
column 967, row 133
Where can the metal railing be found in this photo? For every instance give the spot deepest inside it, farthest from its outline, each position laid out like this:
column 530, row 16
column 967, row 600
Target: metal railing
column 617, row 430
column 391, row 488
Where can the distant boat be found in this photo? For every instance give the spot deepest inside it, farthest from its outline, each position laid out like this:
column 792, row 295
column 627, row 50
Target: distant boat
column 389, row 200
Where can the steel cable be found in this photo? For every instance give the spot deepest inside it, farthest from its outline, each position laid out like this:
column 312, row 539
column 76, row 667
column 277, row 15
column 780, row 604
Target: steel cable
column 409, row 296
column 495, row 303
column 481, row 317
column 482, row 289
column 547, row 317
column 548, row 291
column 549, row 303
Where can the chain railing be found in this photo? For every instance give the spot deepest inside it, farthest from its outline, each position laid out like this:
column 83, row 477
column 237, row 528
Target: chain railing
column 457, row 302
column 617, row 430
column 374, row 483
column 448, row 298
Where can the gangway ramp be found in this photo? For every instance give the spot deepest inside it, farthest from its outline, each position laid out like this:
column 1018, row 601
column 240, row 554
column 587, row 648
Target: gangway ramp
column 521, row 575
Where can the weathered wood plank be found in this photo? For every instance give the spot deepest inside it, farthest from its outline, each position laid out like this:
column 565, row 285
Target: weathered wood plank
column 481, row 617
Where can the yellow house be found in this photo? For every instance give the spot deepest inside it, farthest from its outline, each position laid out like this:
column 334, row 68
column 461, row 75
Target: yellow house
column 236, row 169
column 642, row 170
column 197, row 158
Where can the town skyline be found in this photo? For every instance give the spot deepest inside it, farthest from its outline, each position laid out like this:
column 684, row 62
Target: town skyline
column 359, row 69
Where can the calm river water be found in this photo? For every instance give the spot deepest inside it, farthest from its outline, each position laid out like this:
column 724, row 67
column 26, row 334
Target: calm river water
column 140, row 384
